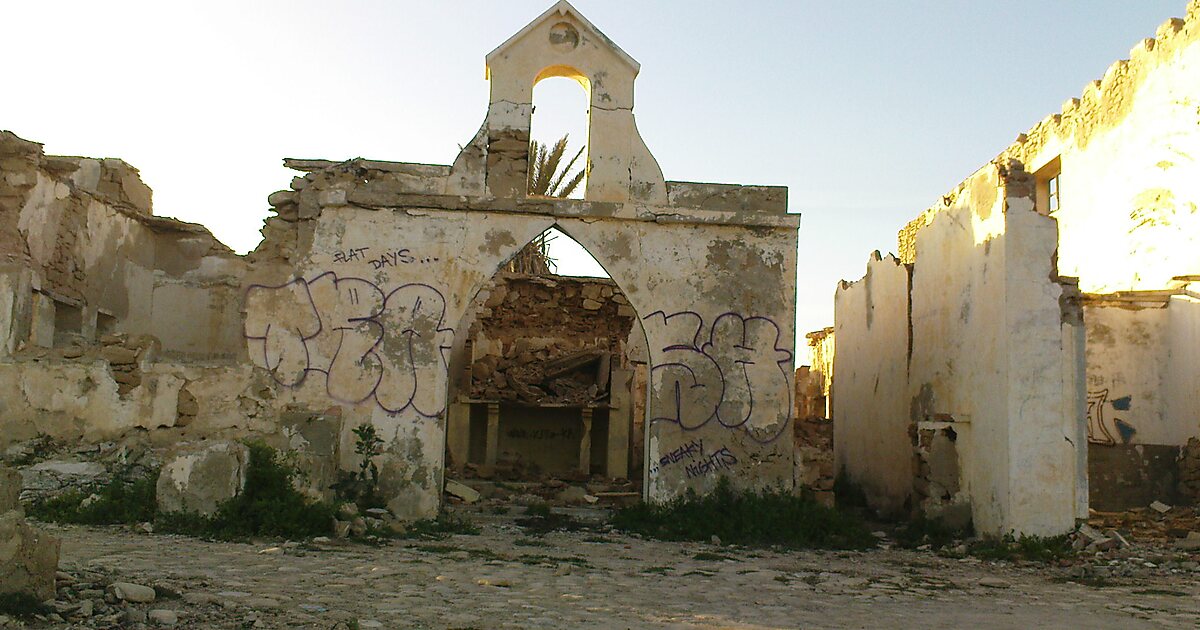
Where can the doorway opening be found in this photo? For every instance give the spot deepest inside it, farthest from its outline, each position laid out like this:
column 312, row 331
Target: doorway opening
column 548, row 385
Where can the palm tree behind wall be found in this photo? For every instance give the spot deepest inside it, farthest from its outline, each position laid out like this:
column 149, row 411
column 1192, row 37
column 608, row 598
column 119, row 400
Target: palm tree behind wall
column 546, row 179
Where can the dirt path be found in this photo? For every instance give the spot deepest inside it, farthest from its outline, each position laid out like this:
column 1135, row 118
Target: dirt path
column 505, row 579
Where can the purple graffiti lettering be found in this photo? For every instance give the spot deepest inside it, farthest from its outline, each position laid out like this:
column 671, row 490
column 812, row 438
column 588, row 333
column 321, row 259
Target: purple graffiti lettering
column 368, row 344
column 689, row 450
column 284, row 348
column 737, row 376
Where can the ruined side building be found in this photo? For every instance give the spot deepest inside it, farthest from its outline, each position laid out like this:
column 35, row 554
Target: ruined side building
column 1035, row 349
column 374, row 299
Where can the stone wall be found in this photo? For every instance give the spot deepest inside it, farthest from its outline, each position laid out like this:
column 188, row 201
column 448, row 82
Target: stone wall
column 80, row 252
column 533, row 334
column 968, row 368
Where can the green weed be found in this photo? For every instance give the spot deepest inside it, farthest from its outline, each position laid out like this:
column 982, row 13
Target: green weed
column 1031, row 548
column 22, row 605
column 268, row 506
column 121, row 501
column 768, row 518
column 444, row 526
column 923, row 531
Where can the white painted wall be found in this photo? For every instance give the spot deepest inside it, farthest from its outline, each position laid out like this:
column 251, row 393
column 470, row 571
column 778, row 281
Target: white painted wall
column 990, row 358
column 1182, row 383
column 872, row 447
column 1142, row 374
column 1130, row 160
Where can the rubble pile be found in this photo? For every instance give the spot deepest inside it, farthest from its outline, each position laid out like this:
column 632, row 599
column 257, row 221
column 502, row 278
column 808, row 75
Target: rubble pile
column 814, row 456
column 1159, row 524
column 548, row 374
column 49, row 467
column 485, row 495
column 549, row 339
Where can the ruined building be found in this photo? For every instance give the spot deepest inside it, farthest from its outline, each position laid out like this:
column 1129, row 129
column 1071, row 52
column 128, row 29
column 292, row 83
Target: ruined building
column 1035, row 347
column 373, row 300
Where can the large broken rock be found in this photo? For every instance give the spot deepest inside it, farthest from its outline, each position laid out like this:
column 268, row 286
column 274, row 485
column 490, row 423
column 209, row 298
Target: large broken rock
column 28, row 557
column 199, row 479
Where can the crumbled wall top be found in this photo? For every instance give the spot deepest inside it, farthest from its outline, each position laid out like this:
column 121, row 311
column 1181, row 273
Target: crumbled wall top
column 1106, row 101
column 1103, row 105
column 490, row 173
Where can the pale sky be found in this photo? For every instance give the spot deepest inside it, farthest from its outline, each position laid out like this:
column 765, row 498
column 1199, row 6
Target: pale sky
column 867, row 111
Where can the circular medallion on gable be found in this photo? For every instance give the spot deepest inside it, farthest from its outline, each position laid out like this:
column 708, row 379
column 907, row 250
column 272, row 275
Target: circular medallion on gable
column 563, row 37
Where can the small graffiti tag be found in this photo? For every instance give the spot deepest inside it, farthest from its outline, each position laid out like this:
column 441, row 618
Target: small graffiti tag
column 720, row 460
column 542, row 434
column 388, row 258
column 696, row 462
column 1107, row 428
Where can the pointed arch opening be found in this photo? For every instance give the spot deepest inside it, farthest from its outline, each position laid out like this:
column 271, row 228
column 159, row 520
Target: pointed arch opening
column 559, row 133
column 550, row 386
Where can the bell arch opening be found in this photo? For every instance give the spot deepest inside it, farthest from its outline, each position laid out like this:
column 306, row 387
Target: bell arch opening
column 549, row 383
column 559, row 134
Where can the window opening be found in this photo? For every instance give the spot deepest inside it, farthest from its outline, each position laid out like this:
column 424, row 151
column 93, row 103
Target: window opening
column 1049, row 187
column 558, row 154
column 68, row 321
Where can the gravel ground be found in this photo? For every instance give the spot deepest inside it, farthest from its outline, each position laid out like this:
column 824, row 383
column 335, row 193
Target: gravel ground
column 504, row 578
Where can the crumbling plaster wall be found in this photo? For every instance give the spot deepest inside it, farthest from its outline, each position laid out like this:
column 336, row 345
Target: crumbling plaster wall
column 871, row 429
column 79, row 231
column 1127, row 358
column 352, row 290
column 347, row 311
column 1130, row 180
column 992, row 367
column 1142, row 406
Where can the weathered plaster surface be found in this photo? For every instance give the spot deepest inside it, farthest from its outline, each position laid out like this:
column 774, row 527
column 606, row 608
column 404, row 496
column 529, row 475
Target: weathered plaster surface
column 872, row 445
column 1127, row 149
column 988, row 364
column 1142, row 372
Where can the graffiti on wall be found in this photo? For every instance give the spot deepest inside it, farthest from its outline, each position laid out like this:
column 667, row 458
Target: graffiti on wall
column 697, row 461
column 734, row 373
column 363, row 341
column 1105, row 427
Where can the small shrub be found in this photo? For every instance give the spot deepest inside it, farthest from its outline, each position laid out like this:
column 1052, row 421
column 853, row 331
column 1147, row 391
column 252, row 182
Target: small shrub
column 22, row 605
column 769, row 518
column 537, row 509
column 923, row 531
column 440, row 528
column 847, row 494
column 1030, row 548
column 121, row 501
column 268, row 506
column 362, row 486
